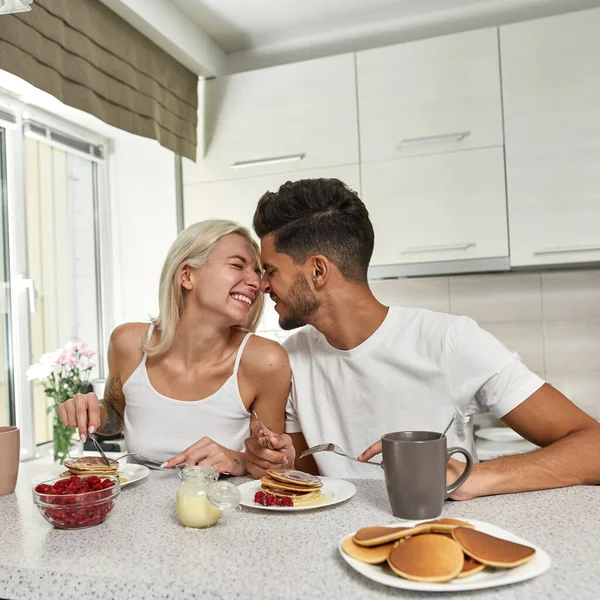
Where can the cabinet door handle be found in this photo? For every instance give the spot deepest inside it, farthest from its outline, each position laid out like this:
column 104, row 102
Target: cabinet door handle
column 434, row 139
column 272, row 160
column 567, row 249
column 438, row 248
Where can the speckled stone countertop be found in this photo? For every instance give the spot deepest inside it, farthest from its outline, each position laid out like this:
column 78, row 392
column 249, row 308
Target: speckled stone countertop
column 487, row 450
column 142, row 552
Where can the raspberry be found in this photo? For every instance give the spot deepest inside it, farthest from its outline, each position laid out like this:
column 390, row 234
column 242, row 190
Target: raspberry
column 75, row 500
column 271, row 500
column 259, row 497
column 286, row 501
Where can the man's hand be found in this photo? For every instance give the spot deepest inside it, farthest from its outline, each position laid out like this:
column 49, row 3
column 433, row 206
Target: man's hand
column 209, row 453
column 260, row 459
column 467, row 490
column 370, row 452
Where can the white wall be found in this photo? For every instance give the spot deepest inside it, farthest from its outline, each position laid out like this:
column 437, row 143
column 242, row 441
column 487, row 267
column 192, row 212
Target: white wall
column 144, row 223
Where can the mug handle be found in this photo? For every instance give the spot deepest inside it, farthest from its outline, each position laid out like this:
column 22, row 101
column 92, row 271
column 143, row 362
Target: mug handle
column 456, row 450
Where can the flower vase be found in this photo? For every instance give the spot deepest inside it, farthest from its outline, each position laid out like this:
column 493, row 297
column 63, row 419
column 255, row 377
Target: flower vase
column 64, row 443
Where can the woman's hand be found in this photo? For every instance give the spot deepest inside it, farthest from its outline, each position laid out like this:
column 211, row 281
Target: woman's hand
column 209, row 453
column 81, row 411
column 260, row 459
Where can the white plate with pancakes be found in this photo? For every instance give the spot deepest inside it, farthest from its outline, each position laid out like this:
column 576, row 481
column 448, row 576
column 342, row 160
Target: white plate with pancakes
column 487, row 578
column 333, row 491
column 127, row 473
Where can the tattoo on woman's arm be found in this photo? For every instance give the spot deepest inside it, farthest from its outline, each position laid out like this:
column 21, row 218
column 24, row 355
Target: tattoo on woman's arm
column 113, row 398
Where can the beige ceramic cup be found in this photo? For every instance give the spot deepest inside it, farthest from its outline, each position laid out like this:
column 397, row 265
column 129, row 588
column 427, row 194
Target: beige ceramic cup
column 9, row 459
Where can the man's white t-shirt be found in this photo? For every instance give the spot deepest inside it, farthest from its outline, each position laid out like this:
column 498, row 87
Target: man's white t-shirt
column 416, row 370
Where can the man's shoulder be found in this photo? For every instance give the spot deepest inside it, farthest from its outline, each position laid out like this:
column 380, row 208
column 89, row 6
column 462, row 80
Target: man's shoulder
column 301, row 339
column 425, row 319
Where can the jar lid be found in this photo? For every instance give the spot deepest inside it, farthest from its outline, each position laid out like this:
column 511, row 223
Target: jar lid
column 197, row 471
column 224, row 495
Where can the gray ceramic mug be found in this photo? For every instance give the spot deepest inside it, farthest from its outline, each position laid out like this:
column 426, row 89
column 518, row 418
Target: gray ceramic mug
column 415, row 472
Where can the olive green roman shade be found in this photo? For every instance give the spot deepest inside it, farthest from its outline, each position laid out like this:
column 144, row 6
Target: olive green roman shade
column 90, row 58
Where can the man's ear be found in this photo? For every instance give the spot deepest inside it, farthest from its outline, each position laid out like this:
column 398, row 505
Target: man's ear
column 321, row 269
column 185, row 277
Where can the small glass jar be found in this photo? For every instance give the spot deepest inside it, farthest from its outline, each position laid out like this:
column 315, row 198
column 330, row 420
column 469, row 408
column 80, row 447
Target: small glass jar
column 201, row 499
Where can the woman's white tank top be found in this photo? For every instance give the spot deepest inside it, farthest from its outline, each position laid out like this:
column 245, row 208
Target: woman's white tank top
column 159, row 427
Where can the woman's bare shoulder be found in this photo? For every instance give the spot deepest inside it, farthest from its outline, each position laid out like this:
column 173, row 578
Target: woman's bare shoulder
column 128, row 338
column 263, row 356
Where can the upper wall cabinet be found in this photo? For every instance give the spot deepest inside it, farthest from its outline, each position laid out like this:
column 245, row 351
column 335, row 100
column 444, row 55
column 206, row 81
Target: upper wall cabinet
column 431, row 96
column 445, row 207
column 288, row 118
column 551, row 87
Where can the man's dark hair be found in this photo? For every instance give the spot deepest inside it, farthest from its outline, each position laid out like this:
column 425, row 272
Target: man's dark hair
column 319, row 216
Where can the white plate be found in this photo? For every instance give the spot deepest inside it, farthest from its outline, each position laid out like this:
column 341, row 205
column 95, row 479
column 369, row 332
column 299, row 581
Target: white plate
column 131, row 472
column 334, row 491
column 489, row 577
column 499, row 434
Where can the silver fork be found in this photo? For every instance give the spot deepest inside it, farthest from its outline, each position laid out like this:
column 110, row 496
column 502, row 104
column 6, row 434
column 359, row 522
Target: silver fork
column 99, row 448
column 153, row 463
column 336, row 450
column 148, row 461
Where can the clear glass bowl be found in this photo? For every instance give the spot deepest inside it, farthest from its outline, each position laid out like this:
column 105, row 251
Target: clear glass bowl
column 76, row 510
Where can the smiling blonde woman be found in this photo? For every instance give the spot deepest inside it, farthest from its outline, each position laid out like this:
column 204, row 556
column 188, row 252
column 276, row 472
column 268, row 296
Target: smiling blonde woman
column 183, row 387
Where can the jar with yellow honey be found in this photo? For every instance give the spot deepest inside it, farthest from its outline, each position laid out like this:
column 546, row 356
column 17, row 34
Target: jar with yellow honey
column 201, row 499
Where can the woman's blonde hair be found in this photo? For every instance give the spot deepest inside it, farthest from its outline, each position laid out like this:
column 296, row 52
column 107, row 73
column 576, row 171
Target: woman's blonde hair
column 192, row 247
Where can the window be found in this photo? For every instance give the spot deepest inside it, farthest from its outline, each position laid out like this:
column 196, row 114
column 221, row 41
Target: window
column 60, row 193
column 6, row 405
column 54, row 201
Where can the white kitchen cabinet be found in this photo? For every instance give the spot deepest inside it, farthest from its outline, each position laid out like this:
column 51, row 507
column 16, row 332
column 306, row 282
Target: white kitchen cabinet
column 236, row 199
column 442, row 207
column 551, row 89
column 288, row 118
column 430, row 96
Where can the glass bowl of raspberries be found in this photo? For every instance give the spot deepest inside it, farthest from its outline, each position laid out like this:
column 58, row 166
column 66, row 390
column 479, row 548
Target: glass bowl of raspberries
column 76, row 502
column 268, row 499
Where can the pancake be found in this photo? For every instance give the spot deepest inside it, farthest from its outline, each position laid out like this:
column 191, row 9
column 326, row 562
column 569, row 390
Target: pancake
column 310, row 497
column 429, row 558
column 470, row 567
column 296, row 477
column 290, row 487
column 371, row 556
column 90, row 465
column 446, row 525
column 491, row 550
column 283, row 493
column 375, row 536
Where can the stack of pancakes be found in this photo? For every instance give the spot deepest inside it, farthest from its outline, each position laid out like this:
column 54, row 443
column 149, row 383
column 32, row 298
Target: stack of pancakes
column 90, row 465
column 435, row 551
column 299, row 486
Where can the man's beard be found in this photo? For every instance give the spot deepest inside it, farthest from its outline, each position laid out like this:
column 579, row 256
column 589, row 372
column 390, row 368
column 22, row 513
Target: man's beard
column 301, row 305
